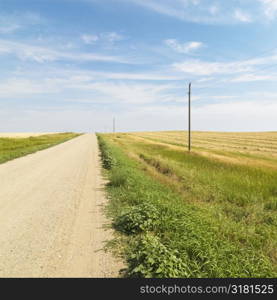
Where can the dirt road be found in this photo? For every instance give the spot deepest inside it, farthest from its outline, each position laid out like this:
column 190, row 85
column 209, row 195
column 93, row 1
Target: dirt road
column 51, row 214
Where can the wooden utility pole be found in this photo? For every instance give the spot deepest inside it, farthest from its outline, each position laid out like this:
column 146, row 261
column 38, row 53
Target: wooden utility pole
column 113, row 125
column 189, row 119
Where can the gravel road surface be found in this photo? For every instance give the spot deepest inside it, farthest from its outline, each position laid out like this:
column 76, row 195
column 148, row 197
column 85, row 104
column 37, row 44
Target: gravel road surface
column 51, row 214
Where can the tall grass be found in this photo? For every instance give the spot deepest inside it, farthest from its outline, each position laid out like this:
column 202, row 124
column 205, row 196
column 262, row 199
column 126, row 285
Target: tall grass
column 206, row 219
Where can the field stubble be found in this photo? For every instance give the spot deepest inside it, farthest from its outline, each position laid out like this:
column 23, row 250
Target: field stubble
column 216, row 206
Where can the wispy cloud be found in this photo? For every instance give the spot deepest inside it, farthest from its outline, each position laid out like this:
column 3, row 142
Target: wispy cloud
column 242, row 16
column 254, row 77
column 64, row 67
column 46, row 54
column 112, row 36
column 89, row 38
column 104, row 87
column 128, row 92
column 106, row 37
column 202, row 11
column 10, row 23
column 270, row 8
column 8, row 28
column 198, row 67
column 185, row 48
column 173, row 8
column 231, row 115
column 20, row 87
column 214, row 9
column 144, row 76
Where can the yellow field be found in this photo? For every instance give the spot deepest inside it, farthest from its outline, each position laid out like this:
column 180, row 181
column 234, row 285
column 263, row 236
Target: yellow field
column 226, row 189
column 23, row 134
column 259, row 148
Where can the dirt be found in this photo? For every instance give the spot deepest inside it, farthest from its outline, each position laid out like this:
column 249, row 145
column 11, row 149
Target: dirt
column 52, row 221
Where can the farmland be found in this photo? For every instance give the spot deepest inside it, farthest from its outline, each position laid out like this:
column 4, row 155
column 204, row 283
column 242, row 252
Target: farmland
column 208, row 213
column 16, row 145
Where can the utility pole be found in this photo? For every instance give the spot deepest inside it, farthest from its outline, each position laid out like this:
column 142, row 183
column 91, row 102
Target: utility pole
column 189, row 119
column 113, row 125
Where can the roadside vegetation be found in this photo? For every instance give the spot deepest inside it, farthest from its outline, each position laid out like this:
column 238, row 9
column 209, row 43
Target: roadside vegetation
column 11, row 148
column 210, row 213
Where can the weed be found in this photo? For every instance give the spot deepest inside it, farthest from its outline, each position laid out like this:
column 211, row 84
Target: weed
column 118, row 179
column 142, row 217
column 271, row 204
column 150, row 258
column 107, row 159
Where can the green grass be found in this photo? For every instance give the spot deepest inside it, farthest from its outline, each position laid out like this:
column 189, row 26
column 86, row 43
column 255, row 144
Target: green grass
column 11, row 148
column 213, row 180
column 187, row 215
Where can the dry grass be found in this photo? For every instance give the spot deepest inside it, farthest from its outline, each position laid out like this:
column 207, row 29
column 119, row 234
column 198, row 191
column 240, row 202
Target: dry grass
column 23, row 134
column 261, row 143
column 255, row 148
column 226, row 189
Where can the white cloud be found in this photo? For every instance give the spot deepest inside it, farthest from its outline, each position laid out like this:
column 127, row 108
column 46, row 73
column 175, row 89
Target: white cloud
column 19, row 87
column 112, row 37
column 135, row 76
column 8, row 28
column 148, row 106
column 90, row 38
column 56, row 119
column 210, row 11
column 127, row 92
column 96, row 86
column 242, row 16
column 198, row 67
column 254, row 77
column 203, row 11
column 236, row 116
column 233, row 116
column 270, row 8
column 214, row 9
column 106, row 37
column 185, row 48
column 205, row 79
column 42, row 54
column 24, row 51
column 10, row 23
column 173, row 8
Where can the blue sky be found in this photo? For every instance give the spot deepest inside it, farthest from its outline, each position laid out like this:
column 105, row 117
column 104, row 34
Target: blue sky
column 73, row 65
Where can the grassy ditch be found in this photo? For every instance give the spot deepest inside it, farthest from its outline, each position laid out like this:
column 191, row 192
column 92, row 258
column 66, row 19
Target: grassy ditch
column 166, row 231
column 11, row 148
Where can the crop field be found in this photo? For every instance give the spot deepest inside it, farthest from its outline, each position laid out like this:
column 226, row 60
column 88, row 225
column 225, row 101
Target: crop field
column 19, row 144
column 23, row 134
column 208, row 213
